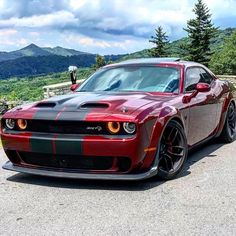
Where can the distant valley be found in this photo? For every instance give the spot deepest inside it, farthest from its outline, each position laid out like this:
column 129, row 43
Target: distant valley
column 34, row 60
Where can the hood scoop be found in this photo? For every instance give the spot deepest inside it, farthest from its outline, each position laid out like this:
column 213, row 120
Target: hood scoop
column 94, row 105
column 46, row 105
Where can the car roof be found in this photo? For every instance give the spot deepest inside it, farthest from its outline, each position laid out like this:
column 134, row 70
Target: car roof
column 158, row 60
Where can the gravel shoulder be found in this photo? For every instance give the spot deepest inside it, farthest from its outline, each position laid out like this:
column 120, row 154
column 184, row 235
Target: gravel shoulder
column 202, row 201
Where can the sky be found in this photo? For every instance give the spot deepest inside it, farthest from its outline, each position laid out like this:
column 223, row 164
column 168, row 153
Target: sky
column 100, row 26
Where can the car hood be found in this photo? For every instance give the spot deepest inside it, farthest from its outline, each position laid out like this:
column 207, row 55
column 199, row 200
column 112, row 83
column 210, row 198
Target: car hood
column 106, row 103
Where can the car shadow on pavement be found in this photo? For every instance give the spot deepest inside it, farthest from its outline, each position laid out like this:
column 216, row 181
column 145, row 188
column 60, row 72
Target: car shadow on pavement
column 205, row 151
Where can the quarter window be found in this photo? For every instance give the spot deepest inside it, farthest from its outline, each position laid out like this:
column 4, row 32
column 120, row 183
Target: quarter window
column 194, row 76
column 205, row 77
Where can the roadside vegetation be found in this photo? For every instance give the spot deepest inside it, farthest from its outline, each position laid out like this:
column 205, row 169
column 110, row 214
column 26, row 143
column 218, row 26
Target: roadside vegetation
column 31, row 88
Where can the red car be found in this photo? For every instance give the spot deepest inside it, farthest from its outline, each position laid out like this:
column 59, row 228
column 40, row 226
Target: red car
column 128, row 121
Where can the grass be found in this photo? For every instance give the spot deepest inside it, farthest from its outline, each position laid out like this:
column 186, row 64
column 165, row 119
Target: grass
column 31, row 88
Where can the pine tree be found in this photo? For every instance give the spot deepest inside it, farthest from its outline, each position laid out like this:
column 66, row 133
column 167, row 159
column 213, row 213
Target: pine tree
column 161, row 43
column 100, row 62
column 200, row 32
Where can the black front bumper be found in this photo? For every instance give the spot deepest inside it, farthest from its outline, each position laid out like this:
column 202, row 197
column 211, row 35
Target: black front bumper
column 75, row 175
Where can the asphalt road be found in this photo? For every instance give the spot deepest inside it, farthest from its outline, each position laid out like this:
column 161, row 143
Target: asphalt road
column 200, row 202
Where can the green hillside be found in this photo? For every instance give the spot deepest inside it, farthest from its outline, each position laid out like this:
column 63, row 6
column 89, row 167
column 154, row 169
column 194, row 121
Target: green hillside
column 174, row 47
column 31, row 88
column 42, row 65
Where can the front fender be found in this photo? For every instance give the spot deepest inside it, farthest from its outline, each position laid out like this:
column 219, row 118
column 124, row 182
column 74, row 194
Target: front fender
column 162, row 118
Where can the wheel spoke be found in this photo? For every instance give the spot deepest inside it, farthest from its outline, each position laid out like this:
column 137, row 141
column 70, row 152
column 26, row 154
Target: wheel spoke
column 175, row 154
column 167, row 166
column 231, row 116
column 175, row 136
column 170, row 161
column 231, row 125
column 161, row 158
column 178, row 147
column 169, row 137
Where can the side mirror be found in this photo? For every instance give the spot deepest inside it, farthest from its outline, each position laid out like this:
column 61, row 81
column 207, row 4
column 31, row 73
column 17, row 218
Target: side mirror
column 199, row 88
column 73, row 87
column 203, row 87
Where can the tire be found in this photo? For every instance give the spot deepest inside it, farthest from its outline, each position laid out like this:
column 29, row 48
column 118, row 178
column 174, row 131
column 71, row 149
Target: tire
column 173, row 151
column 229, row 129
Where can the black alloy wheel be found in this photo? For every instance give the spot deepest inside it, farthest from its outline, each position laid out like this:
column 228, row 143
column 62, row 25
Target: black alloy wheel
column 173, row 151
column 229, row 130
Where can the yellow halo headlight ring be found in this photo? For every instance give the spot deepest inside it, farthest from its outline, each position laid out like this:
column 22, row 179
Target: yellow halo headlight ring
column 113, row 127
column 22, row 124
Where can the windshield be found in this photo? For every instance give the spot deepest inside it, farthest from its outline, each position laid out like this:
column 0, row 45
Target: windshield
column 134, row 78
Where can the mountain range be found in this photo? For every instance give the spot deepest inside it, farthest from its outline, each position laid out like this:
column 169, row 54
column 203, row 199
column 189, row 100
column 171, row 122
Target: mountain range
column 34, row 60
column 33, row 50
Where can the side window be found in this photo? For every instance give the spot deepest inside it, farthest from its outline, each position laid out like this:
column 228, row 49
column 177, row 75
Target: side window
column 205, row 77
column 192, row 78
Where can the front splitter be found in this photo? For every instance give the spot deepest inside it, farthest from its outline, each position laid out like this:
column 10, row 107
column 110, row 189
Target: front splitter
column 75, row 175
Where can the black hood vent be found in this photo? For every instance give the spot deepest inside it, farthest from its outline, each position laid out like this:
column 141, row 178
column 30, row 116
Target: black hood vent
column 46, row 105
column 94, row 105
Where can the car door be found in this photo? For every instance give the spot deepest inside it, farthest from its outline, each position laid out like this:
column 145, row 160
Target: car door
column 202, row 107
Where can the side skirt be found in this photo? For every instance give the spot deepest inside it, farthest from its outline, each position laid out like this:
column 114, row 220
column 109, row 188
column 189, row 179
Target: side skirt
column 201, row 143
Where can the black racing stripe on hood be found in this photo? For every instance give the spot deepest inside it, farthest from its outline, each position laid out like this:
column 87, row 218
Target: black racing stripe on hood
column 72, row 147
column 79, row 115
column 41, row 145
column 46, row 115
column 57, row 144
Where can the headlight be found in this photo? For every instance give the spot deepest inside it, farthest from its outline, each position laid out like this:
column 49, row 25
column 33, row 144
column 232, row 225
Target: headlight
column 22, row 124
column 129, row 128
column 10, row 123
column 113, row 127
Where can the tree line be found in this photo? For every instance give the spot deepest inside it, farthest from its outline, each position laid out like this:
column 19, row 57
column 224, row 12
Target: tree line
column 200, row 34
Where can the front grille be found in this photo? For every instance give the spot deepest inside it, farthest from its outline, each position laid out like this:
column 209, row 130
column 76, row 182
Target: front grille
column 70, row 127
column 70, row 162
column 67, row 127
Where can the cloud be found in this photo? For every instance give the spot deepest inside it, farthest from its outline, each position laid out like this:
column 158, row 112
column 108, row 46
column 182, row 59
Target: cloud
column 9, row 37
column 58, row 19
column 92, row 42
column 119, row 45
column 7, row 32
column 34, row 34
column 103, row 25
column 221, row 8
column 97, row 17
column 27, row 8
column 23, row 42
